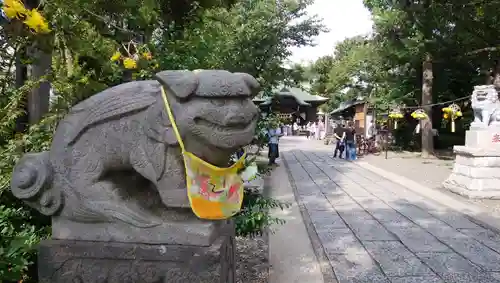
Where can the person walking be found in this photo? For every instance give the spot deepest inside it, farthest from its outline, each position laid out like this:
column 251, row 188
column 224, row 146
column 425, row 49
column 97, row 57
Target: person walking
column 350, row 142
column 339, row 133
column 295, row 129
column 313, row 130
column 274, row 135
column 316, row 130
column 322, row 131
column 308, row 130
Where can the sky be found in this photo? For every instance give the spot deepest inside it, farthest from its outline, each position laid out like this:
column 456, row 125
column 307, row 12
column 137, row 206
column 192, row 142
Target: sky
column 344, row 19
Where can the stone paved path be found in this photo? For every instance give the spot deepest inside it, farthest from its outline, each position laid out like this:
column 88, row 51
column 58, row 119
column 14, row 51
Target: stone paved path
column 373, row 230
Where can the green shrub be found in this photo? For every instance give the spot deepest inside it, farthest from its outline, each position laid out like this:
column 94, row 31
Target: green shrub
column 255, row 216
column 17, row 244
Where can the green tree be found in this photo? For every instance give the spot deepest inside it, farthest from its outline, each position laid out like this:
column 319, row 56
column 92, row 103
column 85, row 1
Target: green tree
column 245, row 36
column 421, row 52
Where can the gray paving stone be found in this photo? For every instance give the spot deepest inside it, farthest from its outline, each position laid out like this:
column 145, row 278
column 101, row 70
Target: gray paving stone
column 402, row 223
column 351, row 185
column 411, row 211
column 326, row 219
column 362, row 181
column 485, row 236
column 446, row 263
column 371, row 227
column 439, row 229
column 476, row 253
column 381, row 211
column 417, row 239
column 316, row 202
column 333, row 193
column 396, row 260
column 323, row 181
column 369, row 230
column 303, row 191
column 329, row 187
column 390, row 186
column 386, row 215
column 356, row 268
column 340, row 241
column 417, row 279
column 372, row 177
column 469, row 278
column 495, row 275
column 342, row 200
column 374, row 203
column 359, row 198
column 455, row 219
column 357, row 192
column 345, row 183
column 354, row 213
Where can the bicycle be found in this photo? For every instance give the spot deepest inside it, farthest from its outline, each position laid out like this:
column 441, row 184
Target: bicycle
column 372, row 146
column 368, row 146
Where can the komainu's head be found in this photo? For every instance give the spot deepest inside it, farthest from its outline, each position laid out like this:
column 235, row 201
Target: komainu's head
column 483, row 96
column 212, row 108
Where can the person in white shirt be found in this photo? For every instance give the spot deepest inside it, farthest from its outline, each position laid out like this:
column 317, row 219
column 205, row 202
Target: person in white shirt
column 322, row 131
column 316, row 130
column 308, row 130
column 313, row 130
column 274, row 135
column 295, row 128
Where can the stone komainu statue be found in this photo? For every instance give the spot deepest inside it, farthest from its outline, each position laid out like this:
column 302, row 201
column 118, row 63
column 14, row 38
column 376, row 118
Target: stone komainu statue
column 114, row 146
column 486, row 106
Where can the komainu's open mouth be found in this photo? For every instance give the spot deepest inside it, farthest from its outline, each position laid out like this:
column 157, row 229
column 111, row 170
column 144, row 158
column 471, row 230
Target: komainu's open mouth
column 223, row 128
column 481, row 96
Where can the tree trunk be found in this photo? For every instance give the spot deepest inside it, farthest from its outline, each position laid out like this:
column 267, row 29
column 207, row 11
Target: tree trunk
column 426, row 124
column 39, row 97
column 21, row 77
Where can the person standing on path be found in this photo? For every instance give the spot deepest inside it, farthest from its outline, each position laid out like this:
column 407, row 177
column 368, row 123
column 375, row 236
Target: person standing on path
column 295, row 129
column 312, row 130
column 350, row 142
column 316, row 130
column 321, row 130
column 339, row 133
column 274, row 135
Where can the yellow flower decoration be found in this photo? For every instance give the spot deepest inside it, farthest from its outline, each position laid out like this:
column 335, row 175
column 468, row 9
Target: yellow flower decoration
column 116, row 56
column 446, row 116
column 419, row 114
column 129, row 63
column 36, row 22
column 14, row 9
column 147, row 55
column 396, row 116
column 459, row 114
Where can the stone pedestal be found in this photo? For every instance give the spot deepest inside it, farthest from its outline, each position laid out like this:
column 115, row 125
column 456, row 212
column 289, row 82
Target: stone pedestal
column 83, row 261
column 476, row 172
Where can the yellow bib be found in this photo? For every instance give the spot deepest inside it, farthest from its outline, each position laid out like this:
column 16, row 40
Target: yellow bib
column 214, row 193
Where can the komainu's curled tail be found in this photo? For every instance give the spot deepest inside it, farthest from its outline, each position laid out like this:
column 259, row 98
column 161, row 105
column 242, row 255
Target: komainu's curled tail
column 32, row 182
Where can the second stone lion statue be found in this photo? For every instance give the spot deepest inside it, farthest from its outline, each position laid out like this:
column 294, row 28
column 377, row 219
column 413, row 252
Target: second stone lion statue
column 113, row 146
column 486, row 106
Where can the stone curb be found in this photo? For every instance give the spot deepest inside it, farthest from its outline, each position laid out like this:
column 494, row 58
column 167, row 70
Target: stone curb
column 324, row 264
column 473, row 212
